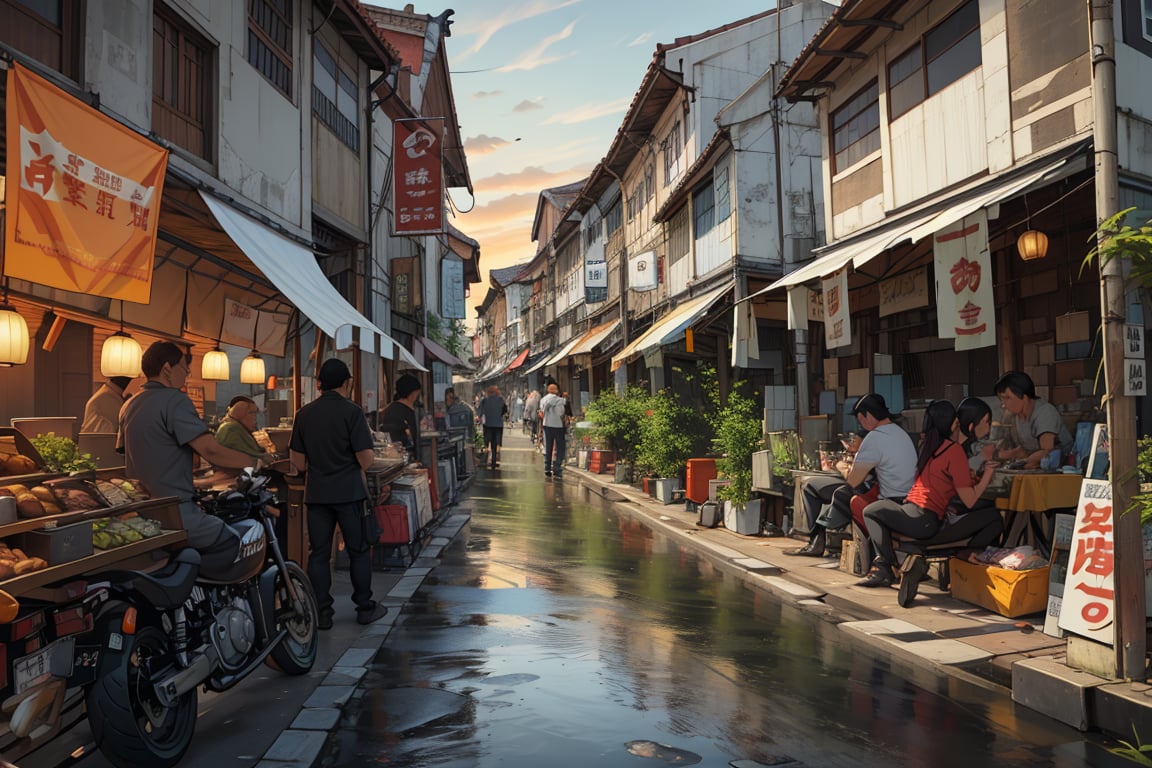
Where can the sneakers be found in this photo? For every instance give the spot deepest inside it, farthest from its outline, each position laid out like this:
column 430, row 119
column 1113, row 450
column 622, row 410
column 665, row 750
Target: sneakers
column 912, row 572
column 547, row 474
column 880, row 575
column 324, row 620
column 370, row 615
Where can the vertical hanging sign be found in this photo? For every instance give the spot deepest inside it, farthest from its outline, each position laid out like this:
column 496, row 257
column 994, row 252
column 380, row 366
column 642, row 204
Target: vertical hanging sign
column 418, row 176
column 452, row 289
column 595, row 282
column 1089, row 605
column 83, row 194
column 964, row 302
column 837, row 323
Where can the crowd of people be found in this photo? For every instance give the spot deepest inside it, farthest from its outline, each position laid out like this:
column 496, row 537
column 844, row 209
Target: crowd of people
column 933, row 493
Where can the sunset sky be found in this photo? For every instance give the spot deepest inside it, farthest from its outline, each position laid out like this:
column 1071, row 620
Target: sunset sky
column 541, row 87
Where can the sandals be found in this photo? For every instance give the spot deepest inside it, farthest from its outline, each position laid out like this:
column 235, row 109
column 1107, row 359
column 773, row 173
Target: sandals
column 879, row 575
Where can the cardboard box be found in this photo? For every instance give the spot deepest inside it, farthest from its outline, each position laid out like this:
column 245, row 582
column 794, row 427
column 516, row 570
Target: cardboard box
column 1073, row 327
column 859, row 382
column 60, row 545
column 1008, row 593
column 1038, row 374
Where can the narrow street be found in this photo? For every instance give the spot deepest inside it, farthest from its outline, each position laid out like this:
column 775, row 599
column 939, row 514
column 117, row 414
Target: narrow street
column 559, row 630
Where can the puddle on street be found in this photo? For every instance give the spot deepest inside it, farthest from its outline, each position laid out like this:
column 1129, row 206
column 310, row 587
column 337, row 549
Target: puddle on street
column 559, row 631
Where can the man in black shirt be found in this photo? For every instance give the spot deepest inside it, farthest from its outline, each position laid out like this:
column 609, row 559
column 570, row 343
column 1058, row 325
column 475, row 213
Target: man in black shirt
column 399, row 418
column 332, row 442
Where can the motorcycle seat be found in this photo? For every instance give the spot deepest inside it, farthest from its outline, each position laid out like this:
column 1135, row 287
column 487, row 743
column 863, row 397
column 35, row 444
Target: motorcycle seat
column 169, row 586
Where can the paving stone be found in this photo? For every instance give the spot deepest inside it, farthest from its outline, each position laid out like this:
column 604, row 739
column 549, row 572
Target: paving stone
column 423, row 571
column 910, row 639
column 791, row 587
column 344, row 676
column 330, row 696
column 318, row 719
column 294, row 746
column 753, row 564
column 355, row 658
column 406, row 587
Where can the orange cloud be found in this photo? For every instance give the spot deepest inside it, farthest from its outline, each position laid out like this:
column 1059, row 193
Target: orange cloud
column 484, row 144
column 531, row 178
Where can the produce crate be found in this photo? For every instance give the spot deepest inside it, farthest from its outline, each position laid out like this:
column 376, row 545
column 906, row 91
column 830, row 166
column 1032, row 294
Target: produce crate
column 60, row 545
column 1003, row 591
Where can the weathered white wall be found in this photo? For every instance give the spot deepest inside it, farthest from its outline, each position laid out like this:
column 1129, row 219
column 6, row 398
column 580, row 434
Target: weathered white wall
column 118, row 59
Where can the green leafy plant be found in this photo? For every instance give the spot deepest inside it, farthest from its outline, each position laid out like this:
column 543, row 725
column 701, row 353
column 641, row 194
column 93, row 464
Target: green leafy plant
column 785, row 453
column 666, row 436
column 739, row 434
column 61, row 455
column 619, row 420
column 1138, row 753
column 1142, row 501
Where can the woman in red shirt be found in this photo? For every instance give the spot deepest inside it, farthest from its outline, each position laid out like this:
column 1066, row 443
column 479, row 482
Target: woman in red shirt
column 941, row 474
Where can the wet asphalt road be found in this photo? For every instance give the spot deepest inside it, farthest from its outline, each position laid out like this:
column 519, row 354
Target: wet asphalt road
column 560, row 631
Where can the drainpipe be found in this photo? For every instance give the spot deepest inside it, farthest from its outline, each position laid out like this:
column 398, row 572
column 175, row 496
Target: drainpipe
column 620, row 375
column 1129, row 639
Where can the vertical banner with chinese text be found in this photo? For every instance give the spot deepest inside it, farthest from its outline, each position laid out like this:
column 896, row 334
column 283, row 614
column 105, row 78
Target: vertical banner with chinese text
column 595, row 282
column 837, row 323
column 83, row 194
column 418, row 176
column 1089, row 605
column 965, row 307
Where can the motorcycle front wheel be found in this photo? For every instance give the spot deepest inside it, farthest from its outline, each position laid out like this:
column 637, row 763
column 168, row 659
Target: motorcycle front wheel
column 131, row 727
column 296, row 654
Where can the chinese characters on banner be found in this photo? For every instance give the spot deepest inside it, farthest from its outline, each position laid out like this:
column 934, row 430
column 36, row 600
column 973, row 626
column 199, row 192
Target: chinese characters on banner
column 452, row 304
column 1089, row 606
column 642, row 271
column 837, row 324
column 418, row 176
column 964, row 303
column 83, row 194
column 595, row 282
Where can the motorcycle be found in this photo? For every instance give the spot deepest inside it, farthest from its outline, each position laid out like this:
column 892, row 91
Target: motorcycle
column 168, row 632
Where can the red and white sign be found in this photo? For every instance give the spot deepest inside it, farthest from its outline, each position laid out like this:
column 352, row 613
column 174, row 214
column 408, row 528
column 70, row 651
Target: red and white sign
column 837, row 323
column 1089, row 605
column 965, row 307
column 418, row 176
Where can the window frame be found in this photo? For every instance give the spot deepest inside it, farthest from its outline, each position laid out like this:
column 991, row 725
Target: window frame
column 1146, row 20
column 671, row 147
column 256, row 30
column 205, row 122
column 923, row 71
column 874, row 83
column 703, row 207
column 327, row 108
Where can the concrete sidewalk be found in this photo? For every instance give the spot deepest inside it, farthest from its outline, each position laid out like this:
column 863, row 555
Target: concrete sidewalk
column 938, row 632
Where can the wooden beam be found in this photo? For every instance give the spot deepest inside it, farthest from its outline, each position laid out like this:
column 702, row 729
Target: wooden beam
column 886, row 23
column 840, row 54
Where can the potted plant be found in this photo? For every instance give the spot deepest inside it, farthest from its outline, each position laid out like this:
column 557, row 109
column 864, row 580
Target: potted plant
column 618, row 422
column 739, row 434
column 666, row 443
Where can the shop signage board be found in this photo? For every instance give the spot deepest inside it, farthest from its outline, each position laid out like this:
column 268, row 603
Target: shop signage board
column 904, row 292
column 418, row 176
column 83, row 194
column 452, row 304
column 1135, row 378
column 595, row 282
column 964, row 301
column 1133, row 342
column 837, row 322
column 642, row 271
column 1088, row 607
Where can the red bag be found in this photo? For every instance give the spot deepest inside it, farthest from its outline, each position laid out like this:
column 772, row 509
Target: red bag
column 392, row 522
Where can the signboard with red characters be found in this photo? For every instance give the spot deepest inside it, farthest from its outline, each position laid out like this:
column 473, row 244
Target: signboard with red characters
column 1089, row 605
column 964, row 301
column 418, row 176
column 837, row 322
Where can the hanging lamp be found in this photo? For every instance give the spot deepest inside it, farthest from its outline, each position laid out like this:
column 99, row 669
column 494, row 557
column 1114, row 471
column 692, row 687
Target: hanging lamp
column 1032, row 244
column 215, row 366
column 121, row 354
column 252, row 367
column 13, row 334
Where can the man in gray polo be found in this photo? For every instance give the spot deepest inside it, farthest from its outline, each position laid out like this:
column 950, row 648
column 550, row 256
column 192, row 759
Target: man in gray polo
column 159, row 433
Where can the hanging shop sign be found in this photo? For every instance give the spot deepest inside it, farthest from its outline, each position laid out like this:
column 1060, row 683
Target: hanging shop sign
column 798, row 304
column 595, row 282
column 837, row 323
column 1088, row 607
column 964, row 302
column 418, row 176
column 642, row 271
column 83, row 194
column 452, row 289
column 904, row 292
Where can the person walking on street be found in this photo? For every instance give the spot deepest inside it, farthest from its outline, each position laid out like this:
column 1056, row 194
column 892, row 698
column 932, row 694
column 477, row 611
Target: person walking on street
column 554, row 417
column 331, row 442
column 532, row 415
column 492, row 411
column 518, row 408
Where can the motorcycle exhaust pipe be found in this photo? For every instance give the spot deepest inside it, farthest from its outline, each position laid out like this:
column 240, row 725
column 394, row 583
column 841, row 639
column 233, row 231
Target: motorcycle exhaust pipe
column 169, row 690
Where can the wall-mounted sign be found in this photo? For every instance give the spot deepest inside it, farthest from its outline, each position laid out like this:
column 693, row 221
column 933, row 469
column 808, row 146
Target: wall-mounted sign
column 418, row 176
column 1135, row 378
column 904, row 292
column 1134, row 342
column 452, row 304
column 837, row 320
column 642, row 271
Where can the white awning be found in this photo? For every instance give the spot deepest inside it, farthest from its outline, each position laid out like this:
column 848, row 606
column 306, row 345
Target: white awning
column 405, row 359
column 594, row 337
column 863, row 247
column 543, row 361
column 670, row 327
column 564, row 350
column 292, row 268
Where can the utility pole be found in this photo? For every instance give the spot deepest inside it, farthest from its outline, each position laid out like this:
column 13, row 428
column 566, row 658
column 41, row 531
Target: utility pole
column 1128, row 542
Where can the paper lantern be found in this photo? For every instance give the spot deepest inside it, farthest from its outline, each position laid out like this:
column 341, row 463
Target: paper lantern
column 1032, row 244
column 252, row 369
column 120, row 356
column 215, row 366
column 13, row 337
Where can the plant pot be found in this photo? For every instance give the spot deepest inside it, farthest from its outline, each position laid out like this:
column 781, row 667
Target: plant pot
column 622, row 472
column 665, row 489
column 743, row 518
column 648, row 484
column 582, row 459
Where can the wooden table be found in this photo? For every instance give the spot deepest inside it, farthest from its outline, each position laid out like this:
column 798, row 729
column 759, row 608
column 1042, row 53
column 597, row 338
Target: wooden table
column 1032, row 496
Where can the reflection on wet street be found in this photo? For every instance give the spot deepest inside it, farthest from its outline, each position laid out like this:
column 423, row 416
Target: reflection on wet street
column 560, row 631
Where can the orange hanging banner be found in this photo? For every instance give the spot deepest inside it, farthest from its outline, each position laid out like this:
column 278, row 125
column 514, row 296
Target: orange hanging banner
column 83, row 194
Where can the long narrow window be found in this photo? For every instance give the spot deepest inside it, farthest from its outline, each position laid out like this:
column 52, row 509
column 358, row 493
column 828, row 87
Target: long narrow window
column 334, row 99
column 856, row 128
column 947, row 52
column 181, row 84
column 679, row 236
column 1146, row 19
column 703, row 210
column 270, row 41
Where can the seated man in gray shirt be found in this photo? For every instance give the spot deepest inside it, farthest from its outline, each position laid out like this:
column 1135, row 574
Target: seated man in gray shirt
column 1039, row 427
column 159, row 433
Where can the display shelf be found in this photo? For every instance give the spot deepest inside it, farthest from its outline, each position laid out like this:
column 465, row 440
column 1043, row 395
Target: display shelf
column 103, row 560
